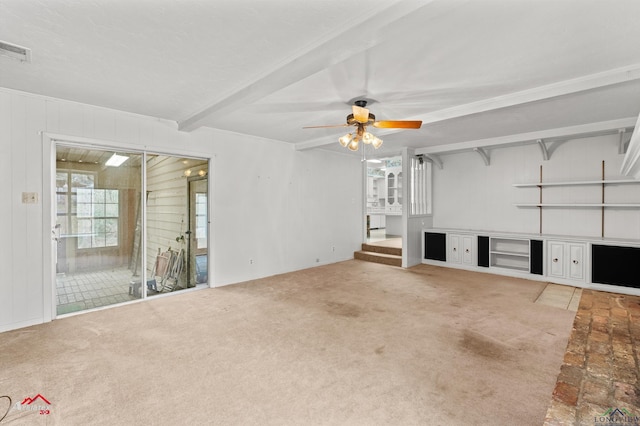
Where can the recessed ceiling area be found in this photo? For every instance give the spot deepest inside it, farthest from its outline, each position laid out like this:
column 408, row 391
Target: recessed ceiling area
column 470, row 70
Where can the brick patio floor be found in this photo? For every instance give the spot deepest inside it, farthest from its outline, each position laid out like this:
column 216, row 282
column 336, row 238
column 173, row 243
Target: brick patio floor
column 599, row 382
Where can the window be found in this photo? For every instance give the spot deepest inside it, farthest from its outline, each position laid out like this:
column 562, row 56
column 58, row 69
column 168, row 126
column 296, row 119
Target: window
column 201, row 220
column 97, row 218
column 87, row 213
column 420, row 189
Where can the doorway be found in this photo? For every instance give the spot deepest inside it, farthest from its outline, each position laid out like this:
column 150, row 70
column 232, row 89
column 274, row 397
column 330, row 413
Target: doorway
column 123, row 225
column 384, row 201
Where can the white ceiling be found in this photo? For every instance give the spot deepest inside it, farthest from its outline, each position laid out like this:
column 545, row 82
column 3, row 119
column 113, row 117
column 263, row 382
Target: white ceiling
column 472, row 70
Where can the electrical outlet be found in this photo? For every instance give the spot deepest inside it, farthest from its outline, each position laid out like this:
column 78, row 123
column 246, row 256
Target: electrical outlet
column 250, row 261
column 29, row 198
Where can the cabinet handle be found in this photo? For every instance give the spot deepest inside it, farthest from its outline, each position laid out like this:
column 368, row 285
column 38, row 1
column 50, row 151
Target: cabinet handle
column 555, row 260
column 454, row 249
column 466, row 251
column 575, row 262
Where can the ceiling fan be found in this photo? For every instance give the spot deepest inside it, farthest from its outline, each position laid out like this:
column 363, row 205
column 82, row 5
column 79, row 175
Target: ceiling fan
column 360, row 119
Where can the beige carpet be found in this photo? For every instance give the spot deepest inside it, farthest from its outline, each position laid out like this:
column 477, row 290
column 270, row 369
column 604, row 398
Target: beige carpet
column 352, row 343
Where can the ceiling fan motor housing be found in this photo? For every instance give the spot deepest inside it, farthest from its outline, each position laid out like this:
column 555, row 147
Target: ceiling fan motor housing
column 352, row 121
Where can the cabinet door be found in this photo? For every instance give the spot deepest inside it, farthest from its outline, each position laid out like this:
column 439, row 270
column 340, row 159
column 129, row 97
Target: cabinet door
column 467, row 249
column 381, row 184
column 536, row 257
column 616, row 265
column 373, row 221
column 556, row 259
column 454, row 249
column 435, row 246
column 576, row 261
column 483, row 251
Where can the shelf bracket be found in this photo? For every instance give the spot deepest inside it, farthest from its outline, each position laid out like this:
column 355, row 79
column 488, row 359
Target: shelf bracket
column 622, row 145
column 484, row 155
column 543, row 148
column 434, row 159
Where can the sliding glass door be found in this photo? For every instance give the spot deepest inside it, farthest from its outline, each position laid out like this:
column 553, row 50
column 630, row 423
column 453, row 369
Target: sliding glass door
column 107, row 217
column 171, row 259
column 97, row 213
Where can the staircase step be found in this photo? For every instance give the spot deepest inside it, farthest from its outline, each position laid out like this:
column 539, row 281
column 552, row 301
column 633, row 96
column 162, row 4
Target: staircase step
column 396, row 251
column 386, row 259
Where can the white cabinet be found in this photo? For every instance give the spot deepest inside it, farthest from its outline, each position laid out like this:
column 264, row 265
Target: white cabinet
column 374, row 221
column 394, row 190
column 377, row 221
column 601, row 264
column 381, row 185
column 376, row 192
column 460, row 249
column 566, row 260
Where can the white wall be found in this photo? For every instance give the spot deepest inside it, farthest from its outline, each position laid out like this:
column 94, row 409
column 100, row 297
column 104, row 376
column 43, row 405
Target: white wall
column 470, row 195
column 283, row 209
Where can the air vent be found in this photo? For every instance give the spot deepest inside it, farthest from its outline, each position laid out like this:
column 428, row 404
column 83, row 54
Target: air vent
column 14, row 51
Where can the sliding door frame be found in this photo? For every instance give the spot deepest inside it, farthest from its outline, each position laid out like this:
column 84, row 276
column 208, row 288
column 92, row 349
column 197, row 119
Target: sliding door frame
column 49, row 243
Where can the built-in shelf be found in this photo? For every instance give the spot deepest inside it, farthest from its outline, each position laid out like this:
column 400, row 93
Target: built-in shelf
column 592, row 262
column 603, row 205
column 575, row 183
column 510, row 253
column 502, row 263
column 506, row 253
column 624, row 205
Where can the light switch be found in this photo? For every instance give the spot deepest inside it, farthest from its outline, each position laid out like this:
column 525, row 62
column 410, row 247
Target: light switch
column 29, row 198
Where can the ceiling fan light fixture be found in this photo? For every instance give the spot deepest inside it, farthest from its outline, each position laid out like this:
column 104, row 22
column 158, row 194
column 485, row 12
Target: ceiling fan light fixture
column 367, row 137
column 344, row 140
column 353, row 145
column 376, row 142
column 360, row 118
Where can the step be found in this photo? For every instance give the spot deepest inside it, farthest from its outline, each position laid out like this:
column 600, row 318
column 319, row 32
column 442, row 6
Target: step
column 396, row 251
column 383, row 258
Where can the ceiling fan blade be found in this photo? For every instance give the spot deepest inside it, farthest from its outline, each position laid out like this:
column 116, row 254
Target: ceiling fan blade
column 360, row 114
column 387, row 124
column 331, row 125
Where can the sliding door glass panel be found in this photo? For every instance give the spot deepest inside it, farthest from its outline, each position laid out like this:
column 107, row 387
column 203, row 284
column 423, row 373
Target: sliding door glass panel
column 198, row 231
column 174, row 238
column 98, row 221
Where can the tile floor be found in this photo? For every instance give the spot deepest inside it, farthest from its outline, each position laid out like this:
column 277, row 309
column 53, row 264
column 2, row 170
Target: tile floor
column 600, row 374
column 560, row 296
column 88, row 290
